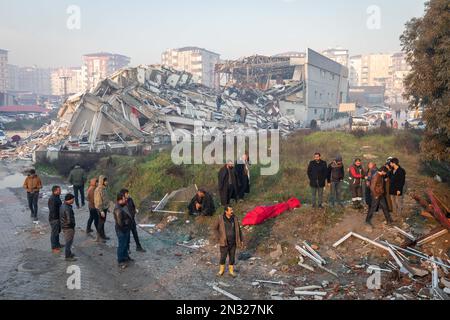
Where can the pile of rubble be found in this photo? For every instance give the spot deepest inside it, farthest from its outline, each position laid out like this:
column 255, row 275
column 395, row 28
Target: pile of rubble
column 147, row 103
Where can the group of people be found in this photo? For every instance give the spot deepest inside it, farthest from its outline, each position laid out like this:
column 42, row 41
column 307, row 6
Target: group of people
column 383, row 187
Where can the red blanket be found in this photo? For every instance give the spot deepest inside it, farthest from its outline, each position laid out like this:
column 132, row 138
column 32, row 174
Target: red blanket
column 261, row 214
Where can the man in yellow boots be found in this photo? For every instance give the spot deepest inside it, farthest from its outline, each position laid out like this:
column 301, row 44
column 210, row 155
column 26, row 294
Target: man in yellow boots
column 229, row 235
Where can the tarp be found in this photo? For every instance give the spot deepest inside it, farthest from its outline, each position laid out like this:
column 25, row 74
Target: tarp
column 263, row 213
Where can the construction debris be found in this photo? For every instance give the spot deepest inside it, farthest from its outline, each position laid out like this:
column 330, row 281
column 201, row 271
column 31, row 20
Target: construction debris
column 225, row 293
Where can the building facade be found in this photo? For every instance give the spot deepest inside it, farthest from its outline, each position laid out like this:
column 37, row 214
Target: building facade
column 67, row 81
column 3, row 70
column 198, row 61
column 395, row 88
column 34, row 80
column 98, row 66
column 338, row 55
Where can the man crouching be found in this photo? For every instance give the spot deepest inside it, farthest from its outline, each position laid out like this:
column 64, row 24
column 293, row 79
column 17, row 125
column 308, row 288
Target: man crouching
column 228, row 232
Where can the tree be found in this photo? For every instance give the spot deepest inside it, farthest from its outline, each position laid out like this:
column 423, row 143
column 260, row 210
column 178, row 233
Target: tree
column 426, row 42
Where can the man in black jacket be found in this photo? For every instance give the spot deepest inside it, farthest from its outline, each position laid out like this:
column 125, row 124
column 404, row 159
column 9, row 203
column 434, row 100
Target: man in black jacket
column 317, row 174
column 242, row 169
column 132, row 210
column 335, row 178
column 228, row 183
column 123, row 227
column 397, row 183
column 54, row 204
column 202, row 204
column 67, row 218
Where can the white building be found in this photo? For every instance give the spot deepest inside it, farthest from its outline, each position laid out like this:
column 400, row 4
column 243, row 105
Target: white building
column 370, row 69
column 70, row 79
column 355, row 70
column 325, row 88
column 198, row 61
column 98, row 66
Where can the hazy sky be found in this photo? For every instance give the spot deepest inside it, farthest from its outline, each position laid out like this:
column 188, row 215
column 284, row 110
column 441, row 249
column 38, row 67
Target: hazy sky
column 35, row 32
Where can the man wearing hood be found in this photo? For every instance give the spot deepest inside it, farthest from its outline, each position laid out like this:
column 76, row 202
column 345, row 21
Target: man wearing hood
column 101, row 203
column 335, row 178
column 93, row 213
column 77, row 178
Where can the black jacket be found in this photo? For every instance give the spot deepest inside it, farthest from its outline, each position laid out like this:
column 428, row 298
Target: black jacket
column 67, row 217
column 243, row 179
column 207, row 203
column 122, row 218
column 131, row 207
column 397, row 181
column 317, row 173
column 335, row 172
column 54, row 204
column 223, row 184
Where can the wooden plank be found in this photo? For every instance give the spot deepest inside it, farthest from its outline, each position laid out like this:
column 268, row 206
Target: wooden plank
column 406, row 234
column 438, row 213
column 225, row 293
column 337, row 243
column 311, row 293
column 377, row 244
column 432, row 237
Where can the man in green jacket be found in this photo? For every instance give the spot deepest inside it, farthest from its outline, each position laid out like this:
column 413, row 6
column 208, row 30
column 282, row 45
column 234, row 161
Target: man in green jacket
column 77, row 178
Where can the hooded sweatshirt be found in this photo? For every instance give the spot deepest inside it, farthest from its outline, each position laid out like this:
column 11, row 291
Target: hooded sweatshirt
column 91, row 192
column 101, row 200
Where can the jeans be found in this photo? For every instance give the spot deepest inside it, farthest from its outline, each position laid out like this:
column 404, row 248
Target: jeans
column 135, row 236
column 335, row 195
column 314, row 192
column 55, row 227
column 101, row 224
column 229, row 251
column 69, row 234
column 93, row 217
column 381, row 203
column 123, row 238
column 33, row 198
column 397, row 204
column 79, row 189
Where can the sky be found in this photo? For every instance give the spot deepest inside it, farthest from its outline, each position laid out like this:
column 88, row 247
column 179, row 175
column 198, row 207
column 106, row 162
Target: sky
column 36, row 32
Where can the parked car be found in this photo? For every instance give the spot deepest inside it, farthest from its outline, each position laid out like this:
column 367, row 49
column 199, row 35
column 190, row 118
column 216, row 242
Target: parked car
column 417, row 124
column 3, row 138
column 360, row 123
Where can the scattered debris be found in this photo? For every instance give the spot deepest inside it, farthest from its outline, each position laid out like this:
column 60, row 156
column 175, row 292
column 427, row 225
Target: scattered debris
column 225, row 293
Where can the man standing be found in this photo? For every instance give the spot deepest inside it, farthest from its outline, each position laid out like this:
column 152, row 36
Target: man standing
column 335, row 178
column 228, row 184
column 229, row 235
column 101, row 202
column 132, row 210
column 378, row 198
column 33, row 185
column 77, row 178
column 397, row 183
column 93, row 213
column 317, row 174
column 371, row 171
column 54, row 204
column 243, row 173
column 67, row 217
column 123, row 227
column 356, row 181
column 202, row 204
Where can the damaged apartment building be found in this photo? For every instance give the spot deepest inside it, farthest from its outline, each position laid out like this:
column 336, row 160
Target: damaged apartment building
column 306, row 86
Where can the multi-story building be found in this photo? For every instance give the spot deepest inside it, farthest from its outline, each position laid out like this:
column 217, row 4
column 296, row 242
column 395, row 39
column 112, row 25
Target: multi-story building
column 3, row 70
column 198, row 61
column 370, row 69
column 34, row 80
column 13, row 77
column 325, row 88
column 339, row 55
column 98, row 66
column 395, row 88
column 67, row 81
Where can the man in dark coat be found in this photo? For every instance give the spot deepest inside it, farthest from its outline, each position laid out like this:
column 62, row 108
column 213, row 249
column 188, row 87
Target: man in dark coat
column 77, row 178
column 54, row 204
column 123, row 228
column 228, row 183
column 378, row 197
column 67, row 218
column 132, row 210
column 229, row 236
column 397, row 184
column 202, row 204
column 317, row 174
column 335, row 178
column 243, row 173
